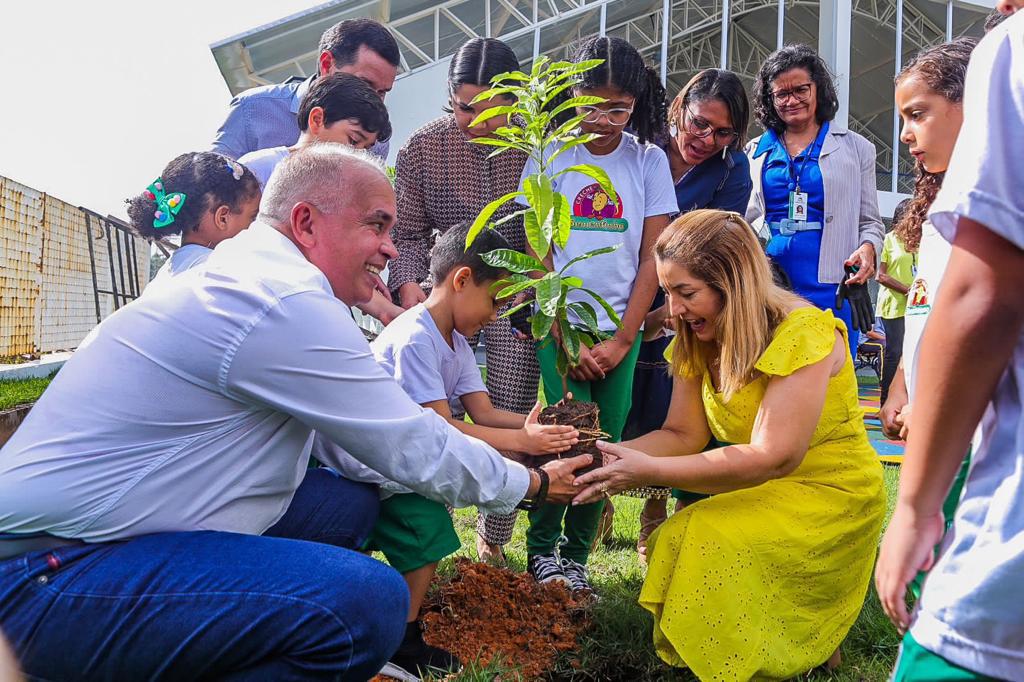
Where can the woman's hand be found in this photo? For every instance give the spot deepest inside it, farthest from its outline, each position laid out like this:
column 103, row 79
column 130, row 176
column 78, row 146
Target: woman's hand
column 411, row 293
column 546, row 439
column 624, row 468
column 608, row 354
column 907, row 547
column 588, row 368
column 561, row 473
column 864, row 259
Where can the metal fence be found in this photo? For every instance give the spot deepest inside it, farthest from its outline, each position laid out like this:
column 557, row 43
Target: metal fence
column 63, row 268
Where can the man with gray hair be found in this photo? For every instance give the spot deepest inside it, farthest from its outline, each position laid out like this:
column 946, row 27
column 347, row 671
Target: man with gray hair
column 158, row 518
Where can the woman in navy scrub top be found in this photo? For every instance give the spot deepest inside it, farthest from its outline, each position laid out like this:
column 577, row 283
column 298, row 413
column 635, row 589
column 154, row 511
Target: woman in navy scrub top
column 814, row 181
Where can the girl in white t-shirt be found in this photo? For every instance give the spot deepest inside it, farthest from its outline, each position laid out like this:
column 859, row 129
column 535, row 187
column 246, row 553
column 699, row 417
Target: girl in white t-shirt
column 968, row 623
column 205, row 197
column 625, row 278
column 929, row 95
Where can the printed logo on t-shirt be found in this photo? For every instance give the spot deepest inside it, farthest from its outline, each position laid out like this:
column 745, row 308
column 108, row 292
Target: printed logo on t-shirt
column 593, row 210
column 918, row 297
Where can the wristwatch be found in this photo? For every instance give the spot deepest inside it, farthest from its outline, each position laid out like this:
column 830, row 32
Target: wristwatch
column 534, row 503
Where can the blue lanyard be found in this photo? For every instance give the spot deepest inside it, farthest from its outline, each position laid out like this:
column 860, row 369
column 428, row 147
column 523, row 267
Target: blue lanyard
column 795, row 178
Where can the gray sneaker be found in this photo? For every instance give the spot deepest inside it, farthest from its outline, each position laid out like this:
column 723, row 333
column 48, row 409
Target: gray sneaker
column 545, row 568
column 578, row 582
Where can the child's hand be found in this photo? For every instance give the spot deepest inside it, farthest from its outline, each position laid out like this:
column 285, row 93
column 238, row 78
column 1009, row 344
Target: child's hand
column 546, row 439
column 907, row 547
column 889, row 415
column 903, row 420
column 588, row 369
column 608, row 354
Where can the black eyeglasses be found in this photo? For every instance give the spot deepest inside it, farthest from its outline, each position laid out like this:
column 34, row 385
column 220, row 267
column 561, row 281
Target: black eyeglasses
column 801, row 93
column 702, row 128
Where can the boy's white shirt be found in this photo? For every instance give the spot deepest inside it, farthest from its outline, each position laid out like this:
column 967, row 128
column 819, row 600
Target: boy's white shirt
column 972, row 609
column 262, row 162
column 413, row 351
column 643, row 181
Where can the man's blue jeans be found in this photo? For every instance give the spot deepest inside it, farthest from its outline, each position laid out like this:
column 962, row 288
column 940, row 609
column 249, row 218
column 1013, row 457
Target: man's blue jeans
column 293, row 604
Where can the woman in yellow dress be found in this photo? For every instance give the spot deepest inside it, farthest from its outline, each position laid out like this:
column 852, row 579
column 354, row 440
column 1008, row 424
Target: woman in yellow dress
column 763, row 577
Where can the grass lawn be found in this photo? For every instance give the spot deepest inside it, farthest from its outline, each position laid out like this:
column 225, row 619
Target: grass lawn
column 619, row 646
column 20, row 391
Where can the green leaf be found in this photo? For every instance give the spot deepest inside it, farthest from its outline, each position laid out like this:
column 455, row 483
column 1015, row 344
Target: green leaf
column 488, row 114
column 485, row 215
column 573, row 102
column 516, row 90
column 582, row 139
column 561, row 362
column 513, row 289
column 534, row 237
column 612, row 315
column 587, row 315
column 516, row 308
column 571, row 283
column 569, row 126
column 570, row 340
column 590, row 254
column 494, row 142
column 549, row 291
column 540, row 325
column 562, row 220
column 597, row 174
column 501, row 221
column 584, row 66
column 552, row 94
column 548, row 204
column 513, row 261
column 510, row 76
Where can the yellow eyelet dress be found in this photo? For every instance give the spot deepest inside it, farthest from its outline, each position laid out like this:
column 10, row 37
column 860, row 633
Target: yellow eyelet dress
column 764, row 583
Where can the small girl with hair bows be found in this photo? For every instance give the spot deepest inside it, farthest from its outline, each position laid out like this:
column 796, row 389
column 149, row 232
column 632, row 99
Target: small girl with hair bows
column 203, row 196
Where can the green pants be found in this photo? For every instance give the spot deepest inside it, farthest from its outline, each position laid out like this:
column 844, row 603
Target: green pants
column 412, row 532
column 917, row 664
column 614, row 396
column 948, row 509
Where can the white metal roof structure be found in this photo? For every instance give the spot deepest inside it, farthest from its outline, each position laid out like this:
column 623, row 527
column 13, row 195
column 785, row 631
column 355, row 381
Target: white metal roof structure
column 864, row 42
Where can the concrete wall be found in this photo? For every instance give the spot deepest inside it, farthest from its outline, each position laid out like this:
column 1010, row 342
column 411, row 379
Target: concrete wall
column 46, row 289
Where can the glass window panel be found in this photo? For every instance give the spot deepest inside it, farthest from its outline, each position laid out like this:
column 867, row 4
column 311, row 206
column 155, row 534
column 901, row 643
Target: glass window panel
column 872, row 65
column 753, row 33
column 924, row 25
column 969, row 21
column 801, row 23
column 696, row 41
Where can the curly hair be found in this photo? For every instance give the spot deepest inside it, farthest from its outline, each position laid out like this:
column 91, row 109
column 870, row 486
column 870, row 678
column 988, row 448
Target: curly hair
column 943, row 69
column 785, row 59
column 207, row 179
column 626, row 70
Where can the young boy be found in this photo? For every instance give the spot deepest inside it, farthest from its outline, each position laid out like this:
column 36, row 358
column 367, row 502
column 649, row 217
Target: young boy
column 426, row 350
column 343, row 109
column 337, row 108
column 969, row 624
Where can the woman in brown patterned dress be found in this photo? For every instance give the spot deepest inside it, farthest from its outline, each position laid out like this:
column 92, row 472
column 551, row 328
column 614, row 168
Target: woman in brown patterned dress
column 444, row 179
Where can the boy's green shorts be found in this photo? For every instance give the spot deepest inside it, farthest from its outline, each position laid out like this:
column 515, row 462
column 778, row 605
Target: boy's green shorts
column 917, row 664
column 412, row 531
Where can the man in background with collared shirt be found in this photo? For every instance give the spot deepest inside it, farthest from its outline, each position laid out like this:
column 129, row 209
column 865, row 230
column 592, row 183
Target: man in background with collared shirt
column 265, row 117
column 158, row 519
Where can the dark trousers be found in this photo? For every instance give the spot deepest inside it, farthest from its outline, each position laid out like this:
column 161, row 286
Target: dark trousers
column 294, row 604
column 893, row 352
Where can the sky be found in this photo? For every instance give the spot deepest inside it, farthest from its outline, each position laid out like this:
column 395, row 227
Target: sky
column 102, row 94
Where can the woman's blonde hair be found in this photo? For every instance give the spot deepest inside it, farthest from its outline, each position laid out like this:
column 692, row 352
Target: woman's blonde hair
column 720, row 248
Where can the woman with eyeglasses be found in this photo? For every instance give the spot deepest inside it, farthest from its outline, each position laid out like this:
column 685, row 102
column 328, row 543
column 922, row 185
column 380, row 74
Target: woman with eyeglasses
column 442, row 179
column 814, row 183
column 708, row 123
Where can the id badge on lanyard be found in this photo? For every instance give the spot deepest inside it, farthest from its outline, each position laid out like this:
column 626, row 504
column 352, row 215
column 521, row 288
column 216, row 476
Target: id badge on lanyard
column 798, row 205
